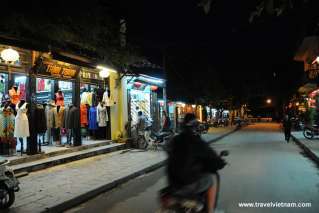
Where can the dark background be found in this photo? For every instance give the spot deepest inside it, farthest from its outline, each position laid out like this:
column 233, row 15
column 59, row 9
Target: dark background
column 207, row 57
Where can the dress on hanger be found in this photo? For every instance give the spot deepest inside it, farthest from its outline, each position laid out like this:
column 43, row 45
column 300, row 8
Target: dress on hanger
column 102, row 116
column 21, row 128
column 93, row 119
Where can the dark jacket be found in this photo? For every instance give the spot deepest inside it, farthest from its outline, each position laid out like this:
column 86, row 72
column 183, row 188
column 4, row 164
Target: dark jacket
column 189, row 157
column 287, row 124
column 71, row 117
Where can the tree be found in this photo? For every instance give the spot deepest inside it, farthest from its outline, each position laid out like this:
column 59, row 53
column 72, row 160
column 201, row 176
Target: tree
column 88, row 29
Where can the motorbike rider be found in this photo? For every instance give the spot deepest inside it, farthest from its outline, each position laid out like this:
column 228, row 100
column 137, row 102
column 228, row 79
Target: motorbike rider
column 191, row 163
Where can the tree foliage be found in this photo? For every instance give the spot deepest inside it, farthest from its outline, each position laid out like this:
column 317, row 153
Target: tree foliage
column 86, row 28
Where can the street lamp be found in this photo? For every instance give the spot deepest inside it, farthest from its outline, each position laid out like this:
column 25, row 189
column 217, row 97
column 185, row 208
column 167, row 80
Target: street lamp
column 268, row 101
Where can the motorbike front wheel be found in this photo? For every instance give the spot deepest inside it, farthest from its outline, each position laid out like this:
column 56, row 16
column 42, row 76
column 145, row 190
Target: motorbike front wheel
column 308, row 133
column 7, row 197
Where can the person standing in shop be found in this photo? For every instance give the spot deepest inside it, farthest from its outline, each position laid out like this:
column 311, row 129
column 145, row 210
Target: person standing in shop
column 166, row 122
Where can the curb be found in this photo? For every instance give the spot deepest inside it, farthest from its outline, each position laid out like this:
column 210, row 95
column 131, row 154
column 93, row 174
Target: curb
column 307, row 151
column 58, row 161
column 109, row 186
column 224, row 135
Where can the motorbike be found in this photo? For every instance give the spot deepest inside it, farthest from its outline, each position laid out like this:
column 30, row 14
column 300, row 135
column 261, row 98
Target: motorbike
column 297, row 124
column 310, row 132
column 170, row 202
column 157, row 139
column 203, row 128
column 9, row 184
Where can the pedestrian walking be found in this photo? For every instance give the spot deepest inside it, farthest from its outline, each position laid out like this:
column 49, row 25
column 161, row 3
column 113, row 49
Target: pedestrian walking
column 287, row 127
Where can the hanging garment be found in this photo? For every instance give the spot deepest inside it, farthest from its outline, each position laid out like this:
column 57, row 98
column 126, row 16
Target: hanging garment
column 6, row 122
column 50, row 116
column 83, row 115
column 102, row 116
column 22, row 91
column 59, row 99
column 106, row 98
column 59, row 119
column 40, row 123
column 90, row 98
column 99, row 94
column 14, row 96
column 21, row 128
column 71, row 117
column 92, row 118
column 84, row 98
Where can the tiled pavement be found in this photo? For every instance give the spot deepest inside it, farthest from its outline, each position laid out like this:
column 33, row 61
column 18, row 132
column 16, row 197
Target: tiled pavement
column 62, row 186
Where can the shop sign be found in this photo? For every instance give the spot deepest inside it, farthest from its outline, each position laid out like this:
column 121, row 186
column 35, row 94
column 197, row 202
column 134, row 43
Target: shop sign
column 54, row 69
column 90, row 75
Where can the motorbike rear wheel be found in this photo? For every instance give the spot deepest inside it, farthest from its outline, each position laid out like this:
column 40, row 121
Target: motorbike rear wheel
column 7, row 197
column 141, row 142
column 308, row 133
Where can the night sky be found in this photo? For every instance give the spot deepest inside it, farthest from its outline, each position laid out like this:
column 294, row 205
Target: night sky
column 206, row 56
column 222, row 48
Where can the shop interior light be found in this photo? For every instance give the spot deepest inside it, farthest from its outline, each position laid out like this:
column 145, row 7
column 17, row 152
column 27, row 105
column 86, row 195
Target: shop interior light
column 105, row 71
column 194, row 106
column 10, row 55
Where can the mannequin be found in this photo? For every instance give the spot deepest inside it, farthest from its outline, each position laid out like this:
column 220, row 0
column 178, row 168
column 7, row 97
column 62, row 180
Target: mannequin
column 14, row 94
column 59, row 98
column 21, row 129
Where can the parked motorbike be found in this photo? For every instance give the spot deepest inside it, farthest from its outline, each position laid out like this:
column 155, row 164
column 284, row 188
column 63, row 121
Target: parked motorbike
column 297, row 124
column 203, row 128
column 310, row 132
column 170, row 202
column 8, row 185
column 156, row 139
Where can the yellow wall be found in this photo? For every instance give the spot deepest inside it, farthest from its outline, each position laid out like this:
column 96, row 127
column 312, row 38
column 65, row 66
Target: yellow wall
column 119, row 111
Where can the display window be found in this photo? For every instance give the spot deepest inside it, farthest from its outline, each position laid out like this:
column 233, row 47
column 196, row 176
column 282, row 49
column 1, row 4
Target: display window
column 94, row 112
column 20, row 81
column 140, row 101
column 3, row 85
column 67, row 90
column 44, row 90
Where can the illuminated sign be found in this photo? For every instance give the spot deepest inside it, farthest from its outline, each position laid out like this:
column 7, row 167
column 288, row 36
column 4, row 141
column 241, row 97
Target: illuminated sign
column 50, row 68
column 90, row 75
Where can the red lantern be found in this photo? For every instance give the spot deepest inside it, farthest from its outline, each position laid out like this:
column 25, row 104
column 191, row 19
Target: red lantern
column 154, row 88
column 137, row 84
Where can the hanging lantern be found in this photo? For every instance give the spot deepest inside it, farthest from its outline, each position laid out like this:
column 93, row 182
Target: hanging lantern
column 10, row 55
column 137, row 84
column 154, row 88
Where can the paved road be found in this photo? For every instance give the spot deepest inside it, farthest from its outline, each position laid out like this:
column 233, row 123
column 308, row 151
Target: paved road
column 263, row 168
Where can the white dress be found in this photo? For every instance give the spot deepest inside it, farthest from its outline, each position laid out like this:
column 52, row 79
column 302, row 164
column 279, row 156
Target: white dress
column 102, row 116
column 21, row 128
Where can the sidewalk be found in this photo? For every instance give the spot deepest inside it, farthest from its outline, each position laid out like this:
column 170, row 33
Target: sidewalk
column 65, row 186
column 310, row 147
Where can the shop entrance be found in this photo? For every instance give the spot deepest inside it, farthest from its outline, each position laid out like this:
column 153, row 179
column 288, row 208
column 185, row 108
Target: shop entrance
column 54, row 111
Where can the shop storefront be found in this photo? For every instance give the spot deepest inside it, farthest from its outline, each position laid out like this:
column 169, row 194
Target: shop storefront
column 55, row 101
column 145, row 94
column 95, row 106
column 13, row 84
